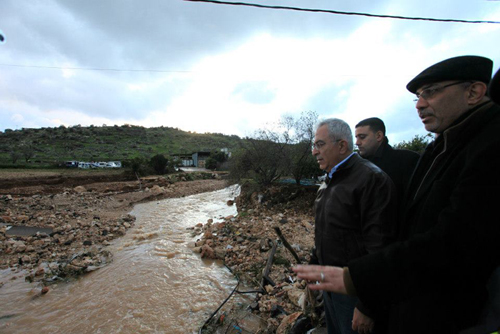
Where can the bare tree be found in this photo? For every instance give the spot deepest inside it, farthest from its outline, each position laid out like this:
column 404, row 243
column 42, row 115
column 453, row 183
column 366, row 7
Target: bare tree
column 27, row 150
column 279, row 150
column 14, row 156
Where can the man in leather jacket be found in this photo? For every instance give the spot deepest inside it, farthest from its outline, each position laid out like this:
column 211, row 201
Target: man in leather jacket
column 435, row 276
column 355, row 215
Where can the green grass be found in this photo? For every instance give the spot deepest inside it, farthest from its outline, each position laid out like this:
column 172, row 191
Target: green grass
column 48, row 147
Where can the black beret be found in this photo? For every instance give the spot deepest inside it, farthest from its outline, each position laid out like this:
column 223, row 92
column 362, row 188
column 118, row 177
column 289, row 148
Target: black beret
column 458, row 68
column 494, row 90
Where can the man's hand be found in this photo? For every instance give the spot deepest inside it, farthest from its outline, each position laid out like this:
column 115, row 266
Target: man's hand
column 361, row 323
column 325, row 278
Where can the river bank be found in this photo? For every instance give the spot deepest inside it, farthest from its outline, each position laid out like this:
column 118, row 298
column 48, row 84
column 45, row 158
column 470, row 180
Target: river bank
column 78, row 218
column 251, row 248
column 54, row 227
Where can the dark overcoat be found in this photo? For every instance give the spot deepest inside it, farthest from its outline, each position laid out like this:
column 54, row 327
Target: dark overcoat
column 398, row 164
column 434, row 278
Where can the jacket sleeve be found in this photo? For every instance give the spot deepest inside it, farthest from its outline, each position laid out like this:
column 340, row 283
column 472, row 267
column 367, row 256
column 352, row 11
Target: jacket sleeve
column 378, row 212
column 378, row 217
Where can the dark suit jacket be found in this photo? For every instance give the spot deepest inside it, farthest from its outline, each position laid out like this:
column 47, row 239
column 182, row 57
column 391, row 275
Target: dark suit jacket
column 398, row 164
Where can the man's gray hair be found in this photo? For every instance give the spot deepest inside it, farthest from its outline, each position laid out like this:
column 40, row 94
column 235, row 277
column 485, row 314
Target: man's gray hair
column 338, row 129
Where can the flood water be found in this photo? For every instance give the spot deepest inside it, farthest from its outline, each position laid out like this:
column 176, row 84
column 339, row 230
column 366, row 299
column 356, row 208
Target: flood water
column 155, row 283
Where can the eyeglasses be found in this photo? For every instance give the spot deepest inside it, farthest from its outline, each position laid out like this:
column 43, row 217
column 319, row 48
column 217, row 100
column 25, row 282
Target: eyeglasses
column 429, row 92
column 319, row 144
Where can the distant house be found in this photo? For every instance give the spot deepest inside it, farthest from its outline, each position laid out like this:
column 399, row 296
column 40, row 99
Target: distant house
column 185, row 159
column 196, row 159
column 199, row 158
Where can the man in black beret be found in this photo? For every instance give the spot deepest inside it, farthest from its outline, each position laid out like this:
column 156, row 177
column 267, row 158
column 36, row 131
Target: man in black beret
column 434, row 278
column 490, row 318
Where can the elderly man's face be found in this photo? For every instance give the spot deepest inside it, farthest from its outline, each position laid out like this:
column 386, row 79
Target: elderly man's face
column 438, row 106
column 326, row 151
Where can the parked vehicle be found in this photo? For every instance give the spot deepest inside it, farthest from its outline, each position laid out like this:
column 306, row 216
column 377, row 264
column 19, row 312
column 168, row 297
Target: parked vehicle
column 71, row 164
column 84, row 165
column 93, row 164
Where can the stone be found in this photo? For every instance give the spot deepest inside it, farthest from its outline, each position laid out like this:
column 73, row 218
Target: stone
column 19, row 246
column 79, row 189
column 207, row 252
column 287, row 323
column 264, row 245
column 156, row 189
column 6, row 219
column 251, row 323
column 22, row 219
column 220, row 253
column 295, row 296
column 26, row 259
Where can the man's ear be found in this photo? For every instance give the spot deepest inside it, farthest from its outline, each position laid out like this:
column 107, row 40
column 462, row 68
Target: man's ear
column 476, row 92
column 379, row 136
column 343, row 147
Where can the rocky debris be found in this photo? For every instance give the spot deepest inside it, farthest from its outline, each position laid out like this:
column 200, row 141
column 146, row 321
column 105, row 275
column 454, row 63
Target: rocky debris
column 245, row 244
column 77, row 222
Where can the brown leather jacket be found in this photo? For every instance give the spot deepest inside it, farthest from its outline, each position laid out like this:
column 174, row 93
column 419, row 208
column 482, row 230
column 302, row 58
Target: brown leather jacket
column 355, row 212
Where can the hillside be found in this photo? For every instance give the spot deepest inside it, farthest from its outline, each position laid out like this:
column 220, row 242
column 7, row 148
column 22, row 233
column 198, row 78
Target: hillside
column 51, row 146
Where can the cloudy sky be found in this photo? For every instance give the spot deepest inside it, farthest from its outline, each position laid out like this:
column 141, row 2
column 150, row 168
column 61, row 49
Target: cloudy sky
column 229, row 69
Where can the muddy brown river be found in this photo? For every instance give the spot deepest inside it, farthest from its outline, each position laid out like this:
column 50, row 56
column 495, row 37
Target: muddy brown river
column 155, row 283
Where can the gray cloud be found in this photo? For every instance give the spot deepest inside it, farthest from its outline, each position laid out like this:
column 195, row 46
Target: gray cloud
column 174, row 35
column 255, row 92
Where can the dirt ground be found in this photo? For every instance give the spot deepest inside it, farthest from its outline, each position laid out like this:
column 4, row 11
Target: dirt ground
column 56, row 225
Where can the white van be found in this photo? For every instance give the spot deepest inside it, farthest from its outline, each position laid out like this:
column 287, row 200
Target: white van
column 84, row 165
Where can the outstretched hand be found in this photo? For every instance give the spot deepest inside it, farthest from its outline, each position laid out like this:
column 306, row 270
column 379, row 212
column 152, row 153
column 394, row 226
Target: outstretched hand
column 325, row 278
